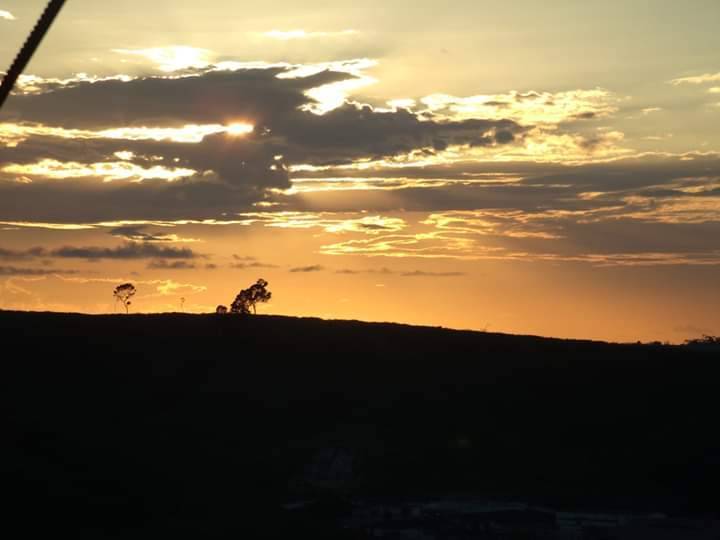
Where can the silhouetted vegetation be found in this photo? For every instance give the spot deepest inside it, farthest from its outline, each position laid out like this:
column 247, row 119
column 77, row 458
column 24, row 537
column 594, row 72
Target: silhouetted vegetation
column 221, row 310
column 123, row 293
column 248, row 298
column 706, row 342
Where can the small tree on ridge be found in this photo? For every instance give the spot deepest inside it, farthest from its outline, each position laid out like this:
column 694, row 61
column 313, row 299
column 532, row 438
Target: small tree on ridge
column 123, row 293
column 249, row 298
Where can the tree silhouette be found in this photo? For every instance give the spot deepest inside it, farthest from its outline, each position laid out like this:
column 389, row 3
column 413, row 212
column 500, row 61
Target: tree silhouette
column 123, row 293
column 248, row 298
column 221, row 310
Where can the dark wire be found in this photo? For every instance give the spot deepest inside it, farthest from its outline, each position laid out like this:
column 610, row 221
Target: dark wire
column 29, row 48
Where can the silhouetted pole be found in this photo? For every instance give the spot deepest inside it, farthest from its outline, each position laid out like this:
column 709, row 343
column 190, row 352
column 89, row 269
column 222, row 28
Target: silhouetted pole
column 31, row 45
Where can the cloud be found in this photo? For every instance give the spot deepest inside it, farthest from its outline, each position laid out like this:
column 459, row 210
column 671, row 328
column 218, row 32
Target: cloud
column 306, row 269
column 255, row 264
column 172, row 58
column 530, row 170
column 6, row 15
column 163, row 287
column 136, row 233
column 257, row 96
column 649, row 211
column 129, row 250
column 107, row 171
column 328, row 221
column 15, row 271
column 523, row 107
column 141, row 129
column 246, row 261
column 697, row 79
column 30, row 253
column 423, row 273
column 162, row 264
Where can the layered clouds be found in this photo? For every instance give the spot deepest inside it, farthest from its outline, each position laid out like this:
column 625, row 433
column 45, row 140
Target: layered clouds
column 520, row 175
column 167, row 171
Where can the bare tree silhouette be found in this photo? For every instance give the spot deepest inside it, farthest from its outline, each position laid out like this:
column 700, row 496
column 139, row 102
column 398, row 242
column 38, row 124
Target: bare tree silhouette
column 250, row 297
column 123, row 293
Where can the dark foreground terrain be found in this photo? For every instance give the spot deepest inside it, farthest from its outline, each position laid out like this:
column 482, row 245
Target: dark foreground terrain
column 167, row 426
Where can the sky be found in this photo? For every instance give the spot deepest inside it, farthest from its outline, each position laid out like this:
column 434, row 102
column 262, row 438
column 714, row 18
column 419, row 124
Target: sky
column 535, row 168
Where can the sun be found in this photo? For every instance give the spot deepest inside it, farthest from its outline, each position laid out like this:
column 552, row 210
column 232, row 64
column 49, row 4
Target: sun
column 239, row 129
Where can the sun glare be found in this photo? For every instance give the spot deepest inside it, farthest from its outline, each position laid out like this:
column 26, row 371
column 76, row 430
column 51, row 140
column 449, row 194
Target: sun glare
column 239, row 129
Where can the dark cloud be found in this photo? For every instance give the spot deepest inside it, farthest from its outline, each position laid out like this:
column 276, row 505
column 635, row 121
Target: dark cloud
column 14, row 271
column 162, row 264
column 303, row 269
column 588, row 208
column 129, row 250
column 254, row 95
column 585, row 115
column 68, row 201
column 136, row 233
column 355, row 131
column 31, row 253
column 232, row 172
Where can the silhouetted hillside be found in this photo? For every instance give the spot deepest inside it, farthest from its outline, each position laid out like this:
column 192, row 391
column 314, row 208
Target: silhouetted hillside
column 134, row 426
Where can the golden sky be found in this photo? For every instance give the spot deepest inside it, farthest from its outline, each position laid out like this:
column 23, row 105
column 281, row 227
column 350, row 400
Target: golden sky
column 518, row 166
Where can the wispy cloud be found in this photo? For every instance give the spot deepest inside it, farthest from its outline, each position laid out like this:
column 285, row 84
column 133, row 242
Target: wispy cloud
column 163, row 287
column 328, row 221
column 6, row 15
column 306, row 269
column 525, row 107
column 697, row 79
column 162, row 264
column 423, row 273
column 137, row 233
column 246, row 261
column 287, row 35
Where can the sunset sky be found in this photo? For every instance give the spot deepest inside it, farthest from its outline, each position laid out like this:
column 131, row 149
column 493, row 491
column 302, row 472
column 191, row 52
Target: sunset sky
column 529, row 167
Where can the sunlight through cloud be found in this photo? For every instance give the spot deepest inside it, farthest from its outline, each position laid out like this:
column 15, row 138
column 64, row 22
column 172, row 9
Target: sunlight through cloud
column 12, row 134
column 172, row 58
column 108, row 171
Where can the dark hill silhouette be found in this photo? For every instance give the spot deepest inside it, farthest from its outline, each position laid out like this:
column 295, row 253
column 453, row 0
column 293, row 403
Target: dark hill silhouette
column 134, row 426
